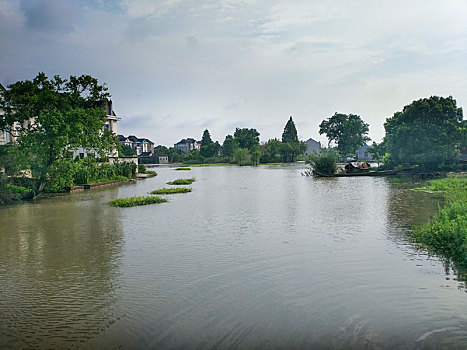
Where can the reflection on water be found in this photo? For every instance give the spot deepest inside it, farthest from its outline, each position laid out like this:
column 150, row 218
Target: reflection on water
column 253, row 257
column 58, row 260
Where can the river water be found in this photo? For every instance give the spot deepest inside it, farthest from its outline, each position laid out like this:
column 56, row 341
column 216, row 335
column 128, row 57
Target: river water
column 254, row 257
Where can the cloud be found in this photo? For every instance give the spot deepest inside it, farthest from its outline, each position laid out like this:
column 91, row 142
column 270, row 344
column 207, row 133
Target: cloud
column 49, row 15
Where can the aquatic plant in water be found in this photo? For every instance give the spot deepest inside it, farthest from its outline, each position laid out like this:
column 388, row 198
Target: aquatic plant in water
column 181, row 182
column 171, row 190
column 134, row 201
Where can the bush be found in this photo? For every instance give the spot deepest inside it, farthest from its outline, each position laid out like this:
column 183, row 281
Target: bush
column 181, row 182
column 325, row 162
column 171, row 190
column 134, row 201
column 446, row 233
column 141, row 169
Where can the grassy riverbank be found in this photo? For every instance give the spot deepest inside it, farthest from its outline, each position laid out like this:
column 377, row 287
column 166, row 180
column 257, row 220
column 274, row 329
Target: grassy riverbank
column 446, row 233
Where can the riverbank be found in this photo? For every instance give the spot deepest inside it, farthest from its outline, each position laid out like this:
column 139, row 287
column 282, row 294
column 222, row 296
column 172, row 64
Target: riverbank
column 446, row 233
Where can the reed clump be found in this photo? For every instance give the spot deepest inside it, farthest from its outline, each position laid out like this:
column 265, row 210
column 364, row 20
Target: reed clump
column 171, row 190
column 135, row 201
column 181, row 182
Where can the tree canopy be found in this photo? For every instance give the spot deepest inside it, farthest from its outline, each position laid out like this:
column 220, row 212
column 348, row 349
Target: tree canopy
column 290, row 132
column 429, row 132
column 349, row 131
column 247, row 138
column 53, row 116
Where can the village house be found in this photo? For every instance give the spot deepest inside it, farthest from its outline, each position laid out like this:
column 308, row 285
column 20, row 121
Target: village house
column 364, row 154
column 186, row 145
column 143, row 147
column 312, row 146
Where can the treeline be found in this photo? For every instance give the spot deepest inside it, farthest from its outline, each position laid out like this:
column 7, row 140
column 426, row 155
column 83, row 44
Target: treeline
column 427, row 135
column 242, row 148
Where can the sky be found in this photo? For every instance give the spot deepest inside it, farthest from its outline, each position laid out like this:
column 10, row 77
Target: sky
column 177, row 67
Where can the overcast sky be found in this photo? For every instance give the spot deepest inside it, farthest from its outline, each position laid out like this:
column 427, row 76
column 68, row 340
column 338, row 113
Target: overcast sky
column 177, row 67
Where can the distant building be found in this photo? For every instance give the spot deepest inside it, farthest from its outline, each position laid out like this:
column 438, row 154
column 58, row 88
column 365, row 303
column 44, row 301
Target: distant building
column 312, row 146
column 363, row 153
column 143, row 147
column 186, row 145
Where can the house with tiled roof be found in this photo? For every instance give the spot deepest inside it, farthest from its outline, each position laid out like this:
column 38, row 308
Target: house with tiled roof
column 186, row 145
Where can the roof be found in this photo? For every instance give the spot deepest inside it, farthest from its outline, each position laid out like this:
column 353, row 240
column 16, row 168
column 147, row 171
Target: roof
column 188, row 140
column 160, row 154
column 2, row 87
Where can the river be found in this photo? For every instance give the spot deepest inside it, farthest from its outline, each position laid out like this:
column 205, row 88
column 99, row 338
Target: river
column 254, row 257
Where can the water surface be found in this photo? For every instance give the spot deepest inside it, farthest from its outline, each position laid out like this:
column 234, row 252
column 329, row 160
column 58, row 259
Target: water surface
column 254, row 257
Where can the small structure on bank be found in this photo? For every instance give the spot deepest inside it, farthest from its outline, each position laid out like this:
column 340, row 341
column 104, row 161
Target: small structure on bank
column 357, row 167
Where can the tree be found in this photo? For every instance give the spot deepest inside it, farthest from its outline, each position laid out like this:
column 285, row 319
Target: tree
column 242, row 156
column 247, row 138
column 271, row 151
column 349, row 131
column 291, row 146
column 126, row 151
column 428, row 133
column 54, row 116
column 206, row 139
column 290, row 133
column 229, row 146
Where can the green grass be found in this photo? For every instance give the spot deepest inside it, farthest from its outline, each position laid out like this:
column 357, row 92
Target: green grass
column 271, row 163
column 207, row 164
column 446, row 233
column 181, row 182
column 453, row 183
column 183, row 169
column 171, row 190
column 151, row 172
column 134, row 201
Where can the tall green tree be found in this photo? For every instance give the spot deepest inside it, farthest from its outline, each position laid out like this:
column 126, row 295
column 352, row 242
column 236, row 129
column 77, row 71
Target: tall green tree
column 349, row 131
column 53, row 117
column 247, row 138
column 429, row 132
column 290, row 132
column 206, row 138
column 229, row 146
column 291, row 147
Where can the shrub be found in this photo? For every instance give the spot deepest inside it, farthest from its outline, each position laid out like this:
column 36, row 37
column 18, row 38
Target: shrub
column 141, row 169
column 171, row 190
column 181, row 182
column 134, row 201
column 325, row 162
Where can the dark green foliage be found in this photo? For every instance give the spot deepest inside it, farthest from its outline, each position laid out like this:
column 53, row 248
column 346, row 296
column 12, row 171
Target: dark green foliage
column 290, row 133
column 135, row 201
column 171, row 190
column 246, row 138
column 242, row 157
column 325, row 162
column 447, row 231
column 347, row 130
column 141, row 168
column 210, row 150
column 53, row 116
column 193, row 157
column 429, row 132
column 181, row 182
column 183, row 169
column 206, row 138
column 229, row 146
column 126, row 151
column 271, row 151
column 89, row 171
